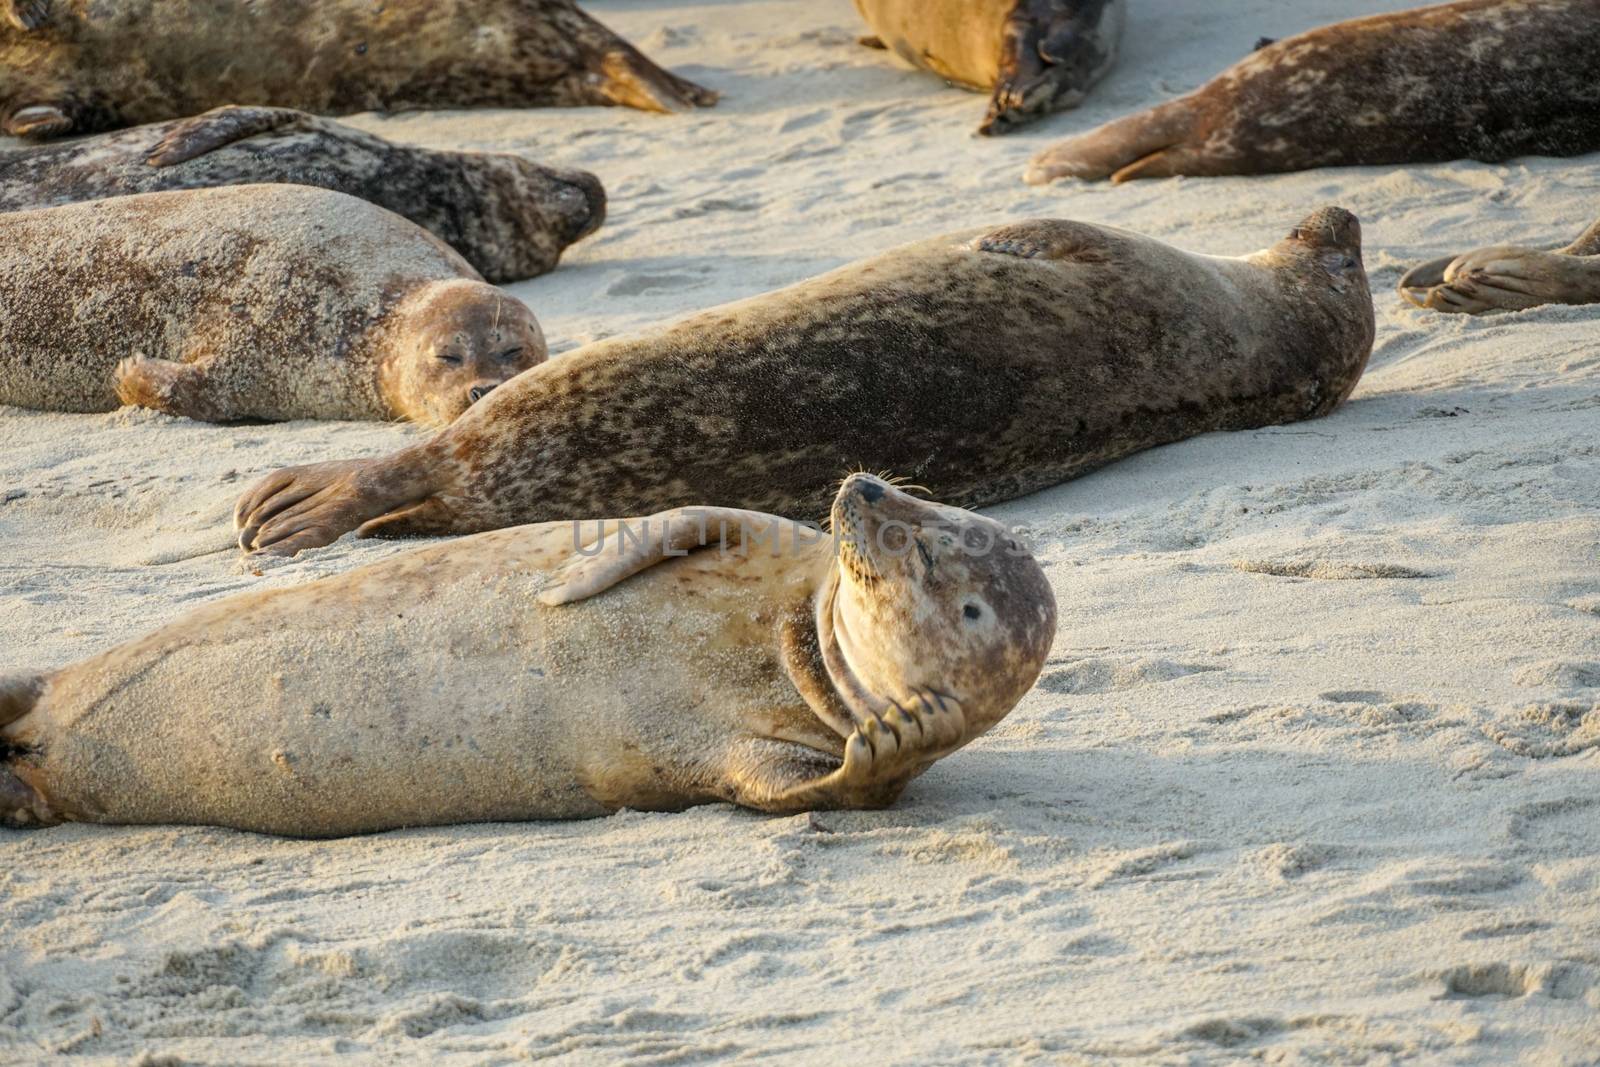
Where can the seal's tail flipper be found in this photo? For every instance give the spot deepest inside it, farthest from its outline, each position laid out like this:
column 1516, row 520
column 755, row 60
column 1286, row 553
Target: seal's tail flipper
column 629, row 79
column 1587, row 244
column 194, row 137
column 26, row 15
column 1149, row 144
column 1416, row 283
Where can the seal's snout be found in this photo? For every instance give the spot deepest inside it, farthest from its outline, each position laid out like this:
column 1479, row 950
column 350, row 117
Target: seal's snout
column 478, row 390
column 871, row 491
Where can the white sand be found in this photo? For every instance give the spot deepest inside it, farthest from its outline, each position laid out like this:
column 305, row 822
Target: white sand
column 1246, row 815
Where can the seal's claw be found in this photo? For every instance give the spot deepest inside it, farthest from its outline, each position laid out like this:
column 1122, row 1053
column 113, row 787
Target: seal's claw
column 26, row 15
column 41, row 120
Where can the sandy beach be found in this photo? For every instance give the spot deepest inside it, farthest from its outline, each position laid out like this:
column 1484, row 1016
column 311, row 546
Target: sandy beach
column 1312, row 776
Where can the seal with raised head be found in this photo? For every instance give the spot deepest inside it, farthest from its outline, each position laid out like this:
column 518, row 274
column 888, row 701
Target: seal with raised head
column 1477, row 79
column 1034, row 56
column 522, row 674
column 982, row 365
column 249, row 302
column 1509, row 278
column 80, row 66
column 509, row 217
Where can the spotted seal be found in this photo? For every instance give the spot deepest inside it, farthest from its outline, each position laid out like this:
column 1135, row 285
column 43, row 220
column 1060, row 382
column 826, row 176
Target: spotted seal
column 1509, row 278
column 1034, row 56
column 1477, row 79
column 983, row 365
column 509, row 217
column 249, row 301
column 524, row 674
column 81, row 66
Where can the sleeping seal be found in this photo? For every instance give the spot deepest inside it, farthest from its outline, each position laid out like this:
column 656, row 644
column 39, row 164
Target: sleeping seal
column 249, row 302
column 509, row 217
column 80, row 66
column 1509, row 278
column 1478, row 79
column 514, row 676
column 1035, row 56
column 982, row 365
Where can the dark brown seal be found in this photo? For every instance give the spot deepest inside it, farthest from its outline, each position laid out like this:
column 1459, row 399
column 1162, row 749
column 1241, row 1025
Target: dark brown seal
column 79, row 66
column 1509, row 278
column 526, row 674
column 509, row 217
column 1035, row 56
column 1479, row 79
column 249, row 302
column 981, row 365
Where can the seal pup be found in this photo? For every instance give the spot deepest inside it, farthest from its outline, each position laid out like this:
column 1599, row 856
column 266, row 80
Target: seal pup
column 513, row 676
column 1509, row 278
column 249, row 302
column 1478, row 79
column 982, row 365
column 65, row 65
column 1035, row 56
column 509, row 217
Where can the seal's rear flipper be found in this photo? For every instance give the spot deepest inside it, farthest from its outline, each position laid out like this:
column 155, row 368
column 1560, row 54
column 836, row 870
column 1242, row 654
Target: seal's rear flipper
column 26, row 15
column 218, row 127
column 1051, row 55
column 628, row 79
column 1145, row 145
column 638, row 544
column 18, row 695
column 1587, row 244
column 1418, row 281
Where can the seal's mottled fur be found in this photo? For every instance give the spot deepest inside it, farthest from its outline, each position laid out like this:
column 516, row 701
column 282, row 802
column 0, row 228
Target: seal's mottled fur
column 982, row 365
column 509, row 217
column 249, row 302
column 1478, row 79
column 79, row 66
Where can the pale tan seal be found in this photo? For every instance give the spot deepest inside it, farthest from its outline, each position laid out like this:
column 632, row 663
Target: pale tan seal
column 249, row 302
column 79, row 66
column 1509, row 278
column 1034, row 56
column 982, row 365
column 509, row 217
column 466, row 682
column 1478, row 79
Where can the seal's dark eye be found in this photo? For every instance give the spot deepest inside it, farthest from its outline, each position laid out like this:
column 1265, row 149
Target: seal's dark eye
column 972, row 611
column 449, row 360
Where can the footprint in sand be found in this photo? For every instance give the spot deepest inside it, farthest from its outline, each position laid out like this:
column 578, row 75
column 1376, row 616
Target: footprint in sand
column 1090, row 676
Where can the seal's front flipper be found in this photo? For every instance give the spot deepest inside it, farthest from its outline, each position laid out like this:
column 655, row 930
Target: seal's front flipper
column 1587, row 244
column 638, row 544
column 881, row 757
column 307, row 507
column 26, row 15
column 173, row 388
column 1138, row 146
column 38, row 120
column 218, row 127
column 1060, row 239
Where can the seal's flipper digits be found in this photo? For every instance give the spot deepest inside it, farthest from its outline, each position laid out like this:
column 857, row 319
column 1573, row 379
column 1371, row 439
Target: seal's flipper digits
column 1060, row 239
column 1052, row 53
column 38, row 120
column 217, row 128
column 311, row 506
column 881, row 757
column 26, row 15
column 1118, row 150
column 1415, row 283
column 643, row 543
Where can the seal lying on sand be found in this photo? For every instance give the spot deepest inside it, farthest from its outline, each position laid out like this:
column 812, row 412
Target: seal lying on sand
column 79, row 66
column 466, row 683
column 1479, row 79
column 1509, row 278
column 1037, row 56
column 250, row 301
column 510, row 218
column 982, row 365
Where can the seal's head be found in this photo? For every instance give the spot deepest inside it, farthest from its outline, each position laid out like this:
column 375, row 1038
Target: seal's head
column 929, row 597
column 450, row 343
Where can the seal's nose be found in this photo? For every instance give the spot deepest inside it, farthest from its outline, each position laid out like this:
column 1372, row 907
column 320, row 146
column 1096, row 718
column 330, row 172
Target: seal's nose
column 870, row 489
column 479, row 390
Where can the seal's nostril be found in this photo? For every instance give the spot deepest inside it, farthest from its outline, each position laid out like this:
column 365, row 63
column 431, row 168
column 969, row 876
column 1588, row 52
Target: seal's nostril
column 872, row 491
column 479, row 391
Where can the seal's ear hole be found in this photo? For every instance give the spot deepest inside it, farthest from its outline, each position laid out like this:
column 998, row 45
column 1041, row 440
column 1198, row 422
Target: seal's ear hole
column 972, row 612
